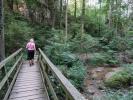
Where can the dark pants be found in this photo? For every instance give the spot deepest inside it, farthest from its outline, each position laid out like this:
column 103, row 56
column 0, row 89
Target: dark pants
column 30, row 54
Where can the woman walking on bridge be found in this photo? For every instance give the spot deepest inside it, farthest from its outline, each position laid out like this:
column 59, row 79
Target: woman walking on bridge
column 31, row 49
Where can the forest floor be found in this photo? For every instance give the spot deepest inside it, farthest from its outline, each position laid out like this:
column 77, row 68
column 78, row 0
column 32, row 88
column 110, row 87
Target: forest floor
column 94, row 81
column 94, row 88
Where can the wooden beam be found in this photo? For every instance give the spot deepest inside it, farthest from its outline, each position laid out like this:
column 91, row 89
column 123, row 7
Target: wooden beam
column 13, row 81
column 67, row 86
column 9, row 73
column 2, row 63
column 49, row 83
column 43, row 79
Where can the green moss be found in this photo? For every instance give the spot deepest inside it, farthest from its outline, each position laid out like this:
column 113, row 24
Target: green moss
column 119, row 80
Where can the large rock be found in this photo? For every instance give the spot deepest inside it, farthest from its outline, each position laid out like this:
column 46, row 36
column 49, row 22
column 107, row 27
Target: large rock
column 118, row 79
column 114, row 71
column 97, row 72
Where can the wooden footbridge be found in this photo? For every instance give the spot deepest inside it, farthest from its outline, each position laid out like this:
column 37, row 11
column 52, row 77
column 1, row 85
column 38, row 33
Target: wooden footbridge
column 42, row 81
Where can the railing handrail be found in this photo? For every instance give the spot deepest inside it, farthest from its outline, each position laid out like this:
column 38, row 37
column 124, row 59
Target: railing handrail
column 5, row 81
column 71, row 90
column 2, row 63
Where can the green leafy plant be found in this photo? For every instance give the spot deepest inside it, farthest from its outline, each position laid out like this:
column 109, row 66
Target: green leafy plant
column 76, row 74
column 104, row 58
column 119, row 95
column 119, row 44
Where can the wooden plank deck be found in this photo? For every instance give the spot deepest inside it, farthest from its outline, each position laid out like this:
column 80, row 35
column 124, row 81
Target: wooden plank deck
column 29, row 84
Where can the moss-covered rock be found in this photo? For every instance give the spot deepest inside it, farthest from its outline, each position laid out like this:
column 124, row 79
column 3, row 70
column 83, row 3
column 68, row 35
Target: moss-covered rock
column 118, row 80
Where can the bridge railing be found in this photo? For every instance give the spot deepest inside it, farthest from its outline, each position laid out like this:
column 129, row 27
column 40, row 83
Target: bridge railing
column 49, row 71
column 9, row 69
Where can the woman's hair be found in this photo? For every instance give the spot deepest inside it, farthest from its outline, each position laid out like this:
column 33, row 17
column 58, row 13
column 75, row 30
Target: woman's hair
column 31, row 40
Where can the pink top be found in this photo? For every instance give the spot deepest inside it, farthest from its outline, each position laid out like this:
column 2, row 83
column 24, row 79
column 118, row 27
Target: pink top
column 31, row 46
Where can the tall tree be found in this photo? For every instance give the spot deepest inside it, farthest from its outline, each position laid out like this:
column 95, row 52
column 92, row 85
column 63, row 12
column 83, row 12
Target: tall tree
column 66, row 19
column 75, row 8
column 110, row 2
column 61, row 11
column 82, row 16
column 99, row 18
column 2, row 48
column 53, row 12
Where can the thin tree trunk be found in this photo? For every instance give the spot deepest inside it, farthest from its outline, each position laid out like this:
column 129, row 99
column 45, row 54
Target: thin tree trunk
column 17, row 5
column 110, row 13
column 116, row 23
column 83, row 15
column 10, row 4
column 54, row 13
column 128, row 18
column 2, row 46
column 66, row 20
column 100, row 1
column 61, row 9
column 75, row 9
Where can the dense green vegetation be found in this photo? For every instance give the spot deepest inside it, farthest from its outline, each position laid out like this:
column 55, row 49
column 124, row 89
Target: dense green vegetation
column 67, row 29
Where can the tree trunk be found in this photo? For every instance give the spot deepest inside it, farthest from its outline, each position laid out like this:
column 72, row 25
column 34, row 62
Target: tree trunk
column 2, row 46
column 61, row 9
column 75, row 9
column 10, row 4
column 110, row 13
column 66, row 20
column 53, row 13
column 17, row 5
column 82, row 17
column 100, row 6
